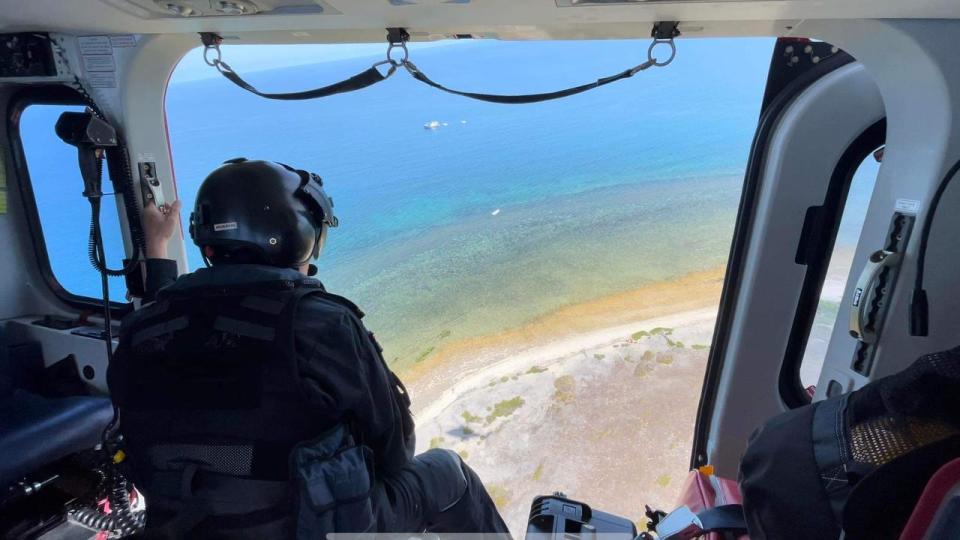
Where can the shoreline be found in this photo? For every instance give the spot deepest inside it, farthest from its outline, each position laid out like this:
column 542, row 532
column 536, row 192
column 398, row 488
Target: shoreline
column 568, row 329
column 545, row 356
column 537, row 418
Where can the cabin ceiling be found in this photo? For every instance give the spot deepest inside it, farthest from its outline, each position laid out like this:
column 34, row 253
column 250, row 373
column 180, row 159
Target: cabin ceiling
column 363, row 20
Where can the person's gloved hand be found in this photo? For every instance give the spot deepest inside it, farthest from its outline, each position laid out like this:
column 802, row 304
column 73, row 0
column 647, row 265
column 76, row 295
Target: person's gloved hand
column 158, row 226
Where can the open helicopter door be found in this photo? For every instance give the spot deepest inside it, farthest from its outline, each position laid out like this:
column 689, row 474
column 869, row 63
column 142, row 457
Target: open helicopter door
column 817, row 126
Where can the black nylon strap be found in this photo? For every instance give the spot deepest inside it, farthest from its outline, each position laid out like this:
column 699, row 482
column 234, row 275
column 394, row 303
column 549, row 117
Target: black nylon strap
column 246, row 520
column 360, row 81
column 527, row 98
column 829, row 434
column 372, row 76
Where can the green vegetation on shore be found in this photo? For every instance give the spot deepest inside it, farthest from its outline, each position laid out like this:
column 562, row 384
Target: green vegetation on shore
column 665, row 359
column 429, row 350
column 564, row 387
column 505, row 408
column 423, row 356
column 658, row 331
column 642, row 370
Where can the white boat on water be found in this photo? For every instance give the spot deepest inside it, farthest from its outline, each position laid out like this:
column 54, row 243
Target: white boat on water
column 495, row 212
column 433, row 124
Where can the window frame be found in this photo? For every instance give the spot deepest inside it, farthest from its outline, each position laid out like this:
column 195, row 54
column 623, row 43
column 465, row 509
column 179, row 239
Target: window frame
column 53, row 94
column 782, row 89
column 817, row 261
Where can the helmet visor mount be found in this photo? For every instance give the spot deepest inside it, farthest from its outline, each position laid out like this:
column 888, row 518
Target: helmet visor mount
column 320, row 206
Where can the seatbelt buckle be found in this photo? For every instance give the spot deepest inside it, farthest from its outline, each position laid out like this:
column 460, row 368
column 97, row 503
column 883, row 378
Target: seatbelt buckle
column 681, row 524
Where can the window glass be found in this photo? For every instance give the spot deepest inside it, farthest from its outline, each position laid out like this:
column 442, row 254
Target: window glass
column 545, row 278
column 838, row 271
column 64, row 212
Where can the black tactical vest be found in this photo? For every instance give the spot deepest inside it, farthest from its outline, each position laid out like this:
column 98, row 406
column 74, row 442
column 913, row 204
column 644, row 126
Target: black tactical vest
column 211, row 407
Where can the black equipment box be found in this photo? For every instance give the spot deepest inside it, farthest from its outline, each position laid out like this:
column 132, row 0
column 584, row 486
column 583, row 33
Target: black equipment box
column 557, row 517
column 27, row 54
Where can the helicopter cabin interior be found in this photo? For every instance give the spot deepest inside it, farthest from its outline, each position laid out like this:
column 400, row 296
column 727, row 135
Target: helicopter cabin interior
column 847, row 78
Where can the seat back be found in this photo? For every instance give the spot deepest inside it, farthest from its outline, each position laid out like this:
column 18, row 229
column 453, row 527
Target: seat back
column 938, row 510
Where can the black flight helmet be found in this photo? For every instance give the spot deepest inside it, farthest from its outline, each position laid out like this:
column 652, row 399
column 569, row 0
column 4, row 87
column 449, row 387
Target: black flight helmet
column 261, row 212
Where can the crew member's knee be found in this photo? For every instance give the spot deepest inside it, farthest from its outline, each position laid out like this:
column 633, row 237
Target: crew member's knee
column 443, row 476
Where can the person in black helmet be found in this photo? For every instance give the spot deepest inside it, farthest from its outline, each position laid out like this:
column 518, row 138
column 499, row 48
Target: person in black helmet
column 253, row 403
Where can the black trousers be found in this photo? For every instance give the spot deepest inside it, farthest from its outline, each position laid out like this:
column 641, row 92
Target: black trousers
column 436, row 492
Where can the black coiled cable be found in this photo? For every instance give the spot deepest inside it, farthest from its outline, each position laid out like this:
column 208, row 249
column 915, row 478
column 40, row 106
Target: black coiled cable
column 122, row 521
column 96, row 236
column 127, row 520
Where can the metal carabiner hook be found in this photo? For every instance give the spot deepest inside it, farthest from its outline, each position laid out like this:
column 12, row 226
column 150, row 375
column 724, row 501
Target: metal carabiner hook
column 206, row 58
column 390, row 71
column 406, row 54
column 653, row 45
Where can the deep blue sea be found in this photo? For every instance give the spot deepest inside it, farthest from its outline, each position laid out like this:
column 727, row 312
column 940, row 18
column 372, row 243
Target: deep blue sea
column 502, row 213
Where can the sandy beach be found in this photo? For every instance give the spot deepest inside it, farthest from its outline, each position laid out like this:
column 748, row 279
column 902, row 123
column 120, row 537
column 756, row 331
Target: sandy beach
column 597, row 400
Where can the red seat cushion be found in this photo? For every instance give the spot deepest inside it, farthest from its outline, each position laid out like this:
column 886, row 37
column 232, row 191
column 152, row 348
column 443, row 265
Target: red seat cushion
column 941, row 483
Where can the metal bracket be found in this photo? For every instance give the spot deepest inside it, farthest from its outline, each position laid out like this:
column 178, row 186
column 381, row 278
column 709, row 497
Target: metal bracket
column 397, row 36
column 665, row 30
column 210, row 39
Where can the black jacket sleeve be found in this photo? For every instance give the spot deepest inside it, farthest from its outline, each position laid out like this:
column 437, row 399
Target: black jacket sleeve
column 158, row 273
column 343, row 372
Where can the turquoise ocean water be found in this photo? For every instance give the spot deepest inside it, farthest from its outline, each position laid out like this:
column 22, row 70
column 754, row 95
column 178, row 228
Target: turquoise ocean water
column 597, row 194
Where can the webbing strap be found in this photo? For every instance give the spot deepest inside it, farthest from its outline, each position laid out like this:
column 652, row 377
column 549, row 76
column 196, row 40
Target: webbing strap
column 244, row 328
column 360, row 81
column 157, row 330
column 829, row 434
column 527, row 98
column 372, row 76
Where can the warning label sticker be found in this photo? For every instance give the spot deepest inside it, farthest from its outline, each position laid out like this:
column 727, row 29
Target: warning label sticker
column 99, row 62
column 102, row 80
column 907, row 206
column 125, row 40
column 95, row 45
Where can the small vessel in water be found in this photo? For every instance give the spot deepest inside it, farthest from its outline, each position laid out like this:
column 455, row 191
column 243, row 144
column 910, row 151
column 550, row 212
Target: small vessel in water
column 495, row 212
column 433, row 124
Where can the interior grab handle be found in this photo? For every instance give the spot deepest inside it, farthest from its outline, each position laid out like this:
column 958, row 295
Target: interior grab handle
column 865, row 293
